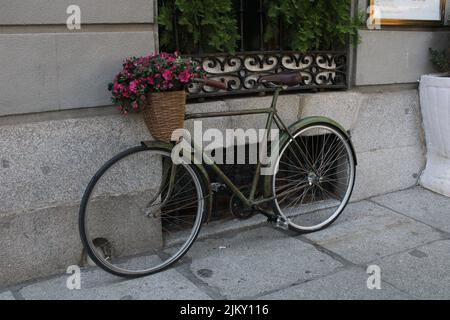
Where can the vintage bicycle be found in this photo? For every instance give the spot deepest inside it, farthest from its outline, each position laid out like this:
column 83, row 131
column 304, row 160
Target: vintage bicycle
column 141, row 212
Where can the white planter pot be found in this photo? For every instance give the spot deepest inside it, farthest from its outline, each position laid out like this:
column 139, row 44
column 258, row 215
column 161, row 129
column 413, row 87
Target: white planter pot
column 435, row 104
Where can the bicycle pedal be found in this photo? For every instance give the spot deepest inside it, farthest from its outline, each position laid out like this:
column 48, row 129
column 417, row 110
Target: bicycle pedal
column 218, row 187
column 281, row 223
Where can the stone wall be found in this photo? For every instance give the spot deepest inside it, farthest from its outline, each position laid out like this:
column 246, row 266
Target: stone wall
column 47, row 67
column 396, row 56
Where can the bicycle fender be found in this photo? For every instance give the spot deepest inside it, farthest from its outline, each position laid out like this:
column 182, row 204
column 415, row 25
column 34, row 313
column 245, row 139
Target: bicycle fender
column 319, row 119
column 284, row 138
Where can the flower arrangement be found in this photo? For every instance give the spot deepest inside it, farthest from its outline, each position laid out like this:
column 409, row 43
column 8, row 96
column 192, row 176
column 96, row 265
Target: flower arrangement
column 159, row 72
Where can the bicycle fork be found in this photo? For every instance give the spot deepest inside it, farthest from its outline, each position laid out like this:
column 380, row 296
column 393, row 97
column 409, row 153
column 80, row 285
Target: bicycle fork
column 169, row 174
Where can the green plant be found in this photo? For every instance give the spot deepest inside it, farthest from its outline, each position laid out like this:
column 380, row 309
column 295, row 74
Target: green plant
column 441, row 60
column 203, row 25
column 212, row 25
column 312, row 25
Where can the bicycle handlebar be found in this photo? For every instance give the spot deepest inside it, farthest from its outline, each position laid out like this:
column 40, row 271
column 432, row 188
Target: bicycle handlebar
column 212, row 83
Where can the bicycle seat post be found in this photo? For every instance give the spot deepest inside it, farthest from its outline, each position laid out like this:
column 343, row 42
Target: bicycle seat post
column 276, row 94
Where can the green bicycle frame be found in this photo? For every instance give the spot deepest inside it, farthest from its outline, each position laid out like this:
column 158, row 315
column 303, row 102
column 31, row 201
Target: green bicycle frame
column 272, row 117
column 285, row 136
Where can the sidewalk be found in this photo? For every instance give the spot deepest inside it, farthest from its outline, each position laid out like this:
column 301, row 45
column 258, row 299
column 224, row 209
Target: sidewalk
column 406, row 234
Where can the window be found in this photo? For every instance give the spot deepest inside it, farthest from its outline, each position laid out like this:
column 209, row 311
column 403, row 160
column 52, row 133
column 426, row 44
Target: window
column 237, row 41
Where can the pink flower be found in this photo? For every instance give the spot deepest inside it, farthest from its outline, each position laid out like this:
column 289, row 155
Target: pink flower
column 167, row 56
column 117, row 88
column 167, row 75
column 125, row 93
column 133, row 86
column 184, row 76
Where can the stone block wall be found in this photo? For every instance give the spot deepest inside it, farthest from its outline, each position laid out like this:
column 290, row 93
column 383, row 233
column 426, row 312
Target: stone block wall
column 46, row 67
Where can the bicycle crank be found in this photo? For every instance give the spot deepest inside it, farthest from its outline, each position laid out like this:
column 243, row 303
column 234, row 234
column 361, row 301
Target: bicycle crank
column 239, row 210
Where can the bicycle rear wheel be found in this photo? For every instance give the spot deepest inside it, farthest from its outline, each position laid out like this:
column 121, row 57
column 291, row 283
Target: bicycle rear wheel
column 133, row 221
column 314, row 177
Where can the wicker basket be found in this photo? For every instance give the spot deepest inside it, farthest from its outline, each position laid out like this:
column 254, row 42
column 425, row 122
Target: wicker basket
column 165, row 113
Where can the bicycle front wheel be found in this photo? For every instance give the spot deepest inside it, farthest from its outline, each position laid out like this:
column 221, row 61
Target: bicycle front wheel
column 314, row 177
column 140, row 213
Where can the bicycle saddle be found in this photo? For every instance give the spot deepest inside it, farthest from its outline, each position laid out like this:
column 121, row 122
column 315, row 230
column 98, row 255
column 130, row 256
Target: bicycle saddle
column 289, row 79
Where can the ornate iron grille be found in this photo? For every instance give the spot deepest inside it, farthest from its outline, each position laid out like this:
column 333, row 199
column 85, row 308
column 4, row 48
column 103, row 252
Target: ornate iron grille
column 241, row 70
column 320, row 70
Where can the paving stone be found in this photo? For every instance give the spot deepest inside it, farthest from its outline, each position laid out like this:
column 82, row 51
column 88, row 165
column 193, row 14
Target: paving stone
column 344, row 285
column 225, row 226
column 271, row 264
column 423, row 272
column 6, row 296
column 367, row 231
column 98, row 285
column 256, row 261
column 418, row 203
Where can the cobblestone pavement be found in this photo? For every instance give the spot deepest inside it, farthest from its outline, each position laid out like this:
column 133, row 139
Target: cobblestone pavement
column 406, row 234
